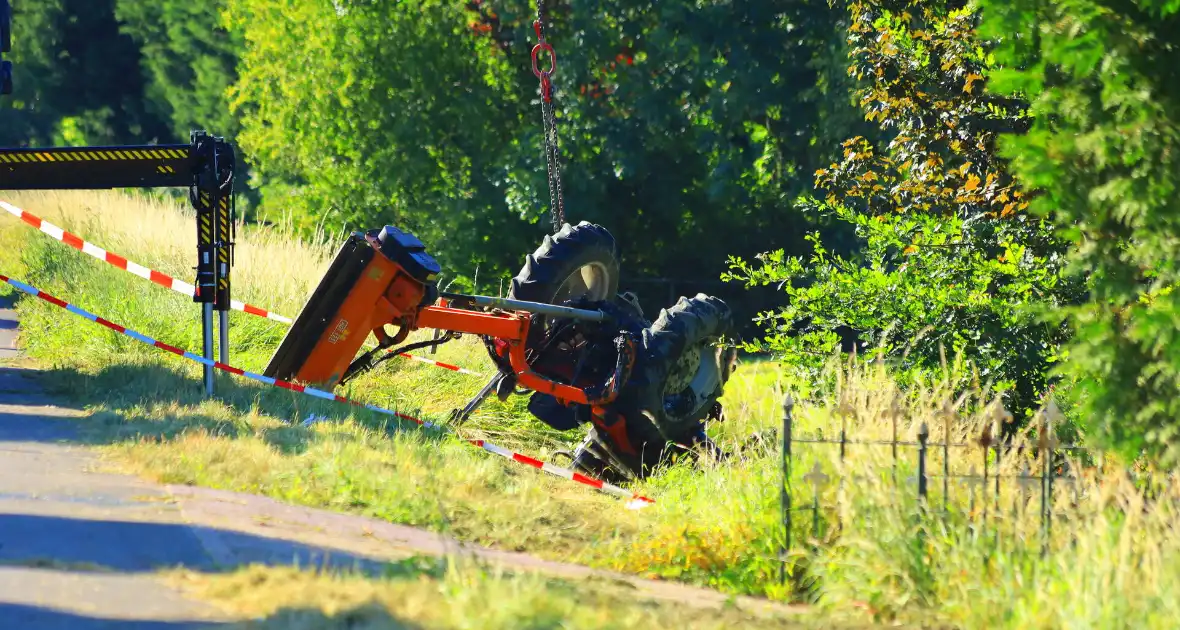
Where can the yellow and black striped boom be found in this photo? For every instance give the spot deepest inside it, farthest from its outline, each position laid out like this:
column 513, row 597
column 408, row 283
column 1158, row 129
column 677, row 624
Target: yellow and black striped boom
column 149, row 166
column 205, row 167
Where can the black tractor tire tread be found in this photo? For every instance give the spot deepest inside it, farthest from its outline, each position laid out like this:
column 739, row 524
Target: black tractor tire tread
column 697, row 321
column 689, row 321
column 559, row 255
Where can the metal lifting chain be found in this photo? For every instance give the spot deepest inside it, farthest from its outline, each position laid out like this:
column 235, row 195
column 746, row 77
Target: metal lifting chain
column 549, row 121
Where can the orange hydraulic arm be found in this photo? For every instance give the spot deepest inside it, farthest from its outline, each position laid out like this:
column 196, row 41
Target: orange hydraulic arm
column 510, row 327
column 513, row 328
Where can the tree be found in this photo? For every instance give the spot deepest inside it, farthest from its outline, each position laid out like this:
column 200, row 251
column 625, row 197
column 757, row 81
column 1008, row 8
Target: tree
column 690, row 128
column 683, row 129
column 372, row 113
column 77, row 78
column 952, row 258
column 190, row 61
column 1103, row 153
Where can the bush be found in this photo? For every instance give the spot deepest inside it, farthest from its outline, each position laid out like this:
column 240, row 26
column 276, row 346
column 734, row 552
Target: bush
column 952, row 261
column 1104, row 152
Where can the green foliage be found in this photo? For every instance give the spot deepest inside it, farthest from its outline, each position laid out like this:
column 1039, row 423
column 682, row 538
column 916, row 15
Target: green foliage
column 690, row 131
column 73, row 65
column 691, row 128
column 189, row 58
column 1103, row 153
column 952, row 262
column 684, row 129
column 190, row 61
column 379, row 112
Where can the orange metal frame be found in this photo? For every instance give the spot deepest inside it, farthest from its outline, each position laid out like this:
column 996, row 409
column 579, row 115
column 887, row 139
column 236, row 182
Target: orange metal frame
column 507, row 326
column 384, row 294
column 512, row 328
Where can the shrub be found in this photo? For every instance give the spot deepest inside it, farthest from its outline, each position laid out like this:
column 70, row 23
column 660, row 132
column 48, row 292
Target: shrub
column 951, row 261
column 1103, row 151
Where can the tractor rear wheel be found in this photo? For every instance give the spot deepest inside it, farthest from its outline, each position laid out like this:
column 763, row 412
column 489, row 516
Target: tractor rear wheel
column 578, row 264
column 579, row 261
column 674, row 389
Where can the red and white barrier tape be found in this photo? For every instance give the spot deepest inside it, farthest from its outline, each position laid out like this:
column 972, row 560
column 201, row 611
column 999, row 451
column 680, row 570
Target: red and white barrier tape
column 636, row 501
column 166, row 280
column 116, row 260
column 445, row 366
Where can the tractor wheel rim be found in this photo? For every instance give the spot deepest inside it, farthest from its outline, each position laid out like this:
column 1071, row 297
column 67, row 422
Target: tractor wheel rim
column 589, row 281
column 683, row 373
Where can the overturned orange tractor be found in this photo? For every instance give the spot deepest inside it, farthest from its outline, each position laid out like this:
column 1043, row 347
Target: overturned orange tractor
column 564, row 336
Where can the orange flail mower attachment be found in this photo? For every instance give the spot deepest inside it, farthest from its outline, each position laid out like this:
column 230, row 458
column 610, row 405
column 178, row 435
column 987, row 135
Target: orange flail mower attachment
column 375, row 279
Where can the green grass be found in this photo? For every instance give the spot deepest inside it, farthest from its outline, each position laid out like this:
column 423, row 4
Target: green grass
column 1113, row 560
column 148, row 410
column 429, row 594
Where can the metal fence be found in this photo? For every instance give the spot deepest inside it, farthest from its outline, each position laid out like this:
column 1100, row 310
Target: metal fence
column 1056, row 467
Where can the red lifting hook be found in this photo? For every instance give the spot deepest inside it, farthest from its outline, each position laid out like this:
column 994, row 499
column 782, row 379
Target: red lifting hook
column 544, row 76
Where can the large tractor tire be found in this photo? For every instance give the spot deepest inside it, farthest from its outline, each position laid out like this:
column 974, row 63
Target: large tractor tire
column 579, row 261
column 678, row 376
column 674, row 390
column 684, row 367
column 578, row 264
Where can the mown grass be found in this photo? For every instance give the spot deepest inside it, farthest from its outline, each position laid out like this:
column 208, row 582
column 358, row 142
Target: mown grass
column 453, row 595
column 1112, row 559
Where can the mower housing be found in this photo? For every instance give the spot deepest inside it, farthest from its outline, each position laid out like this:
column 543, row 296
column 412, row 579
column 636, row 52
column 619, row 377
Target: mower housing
column 376, row 278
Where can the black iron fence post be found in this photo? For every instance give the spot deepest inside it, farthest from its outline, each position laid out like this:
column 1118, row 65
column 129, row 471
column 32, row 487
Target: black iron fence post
column 1024, row 481
column 1049, row 504
column 844, row 410
column 840, row 499
column 1042, row 451
column 947, row 416
column 985, row 441
column 923, row 436
column 1047, row 445
column 894, row 414
column 788, row 407
column 1073, row 478
column 1002, row 416
column 972, row 479
column 843, row 443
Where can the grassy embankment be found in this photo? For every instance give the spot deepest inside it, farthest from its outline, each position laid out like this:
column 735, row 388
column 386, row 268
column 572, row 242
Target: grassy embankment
column 427, row 594
column 1111, row 563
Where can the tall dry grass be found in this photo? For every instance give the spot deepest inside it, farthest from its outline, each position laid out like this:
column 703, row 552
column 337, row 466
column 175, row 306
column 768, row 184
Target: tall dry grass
column 271, row 268
column 1105, row 556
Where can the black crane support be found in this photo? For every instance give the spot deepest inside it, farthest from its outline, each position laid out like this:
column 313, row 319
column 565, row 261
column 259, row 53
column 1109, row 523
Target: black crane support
column 205, row 166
